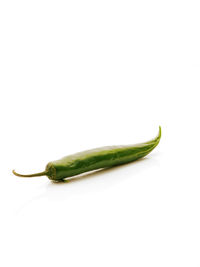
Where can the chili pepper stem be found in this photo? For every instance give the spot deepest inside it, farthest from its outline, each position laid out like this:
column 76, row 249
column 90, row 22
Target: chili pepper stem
column 30, row 175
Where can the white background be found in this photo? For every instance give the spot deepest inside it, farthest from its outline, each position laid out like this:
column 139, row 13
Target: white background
column 76, row 75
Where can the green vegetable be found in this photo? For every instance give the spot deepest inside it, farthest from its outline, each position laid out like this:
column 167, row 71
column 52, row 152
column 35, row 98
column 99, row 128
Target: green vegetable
column 95, row 159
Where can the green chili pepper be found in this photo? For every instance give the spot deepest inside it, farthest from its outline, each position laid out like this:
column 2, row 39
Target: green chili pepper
column 94, row 159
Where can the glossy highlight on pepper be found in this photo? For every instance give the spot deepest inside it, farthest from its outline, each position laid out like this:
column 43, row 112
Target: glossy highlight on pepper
column 95, row 159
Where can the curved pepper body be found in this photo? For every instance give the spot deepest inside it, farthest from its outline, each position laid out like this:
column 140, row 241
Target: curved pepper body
column 98, row 158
